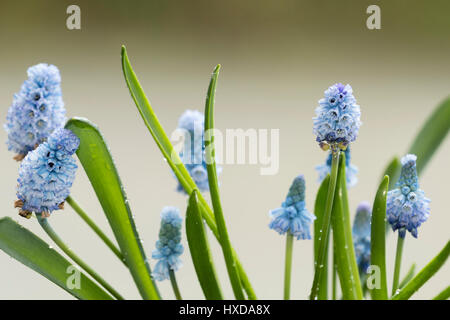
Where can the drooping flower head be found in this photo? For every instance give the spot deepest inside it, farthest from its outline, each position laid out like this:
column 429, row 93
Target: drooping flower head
column 350, row 170
column 338, row 118
column 191, row 123
column 407, row 207
column 361, row 236
column 292, row 216
column 46, row 174
column 36, row 111
column 168, row 247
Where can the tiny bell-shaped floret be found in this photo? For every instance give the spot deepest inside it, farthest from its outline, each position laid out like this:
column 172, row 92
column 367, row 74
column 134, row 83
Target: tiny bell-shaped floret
column 407, row 207
column 46, row 174
column 168, row 247
column 292, row 216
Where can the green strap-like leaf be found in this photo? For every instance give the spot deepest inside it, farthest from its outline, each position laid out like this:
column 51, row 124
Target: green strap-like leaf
column 214, row 188
column 431, row 135
column 426, row 142
column 342, row 238
column 424, row 275
column 319, row 211
column 199, row 248
column 378, row 240
column 97, row 161
column 36, row 254
column 443, row 295
column 173, row 159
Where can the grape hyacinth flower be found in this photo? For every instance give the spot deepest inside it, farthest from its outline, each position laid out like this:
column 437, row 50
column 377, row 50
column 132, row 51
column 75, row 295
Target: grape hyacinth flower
column 292, row 216
column 361, row 236
column 168, row 247
column 46, row 175
column 407, row 206
column 338, row 118
column 193, row 154
column 36, row 111
column 350, row 169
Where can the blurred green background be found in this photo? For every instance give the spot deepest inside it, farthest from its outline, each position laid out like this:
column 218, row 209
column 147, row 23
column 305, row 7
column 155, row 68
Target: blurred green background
column 277, row 57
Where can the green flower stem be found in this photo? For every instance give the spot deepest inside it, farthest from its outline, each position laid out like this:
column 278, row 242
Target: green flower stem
column 174, row 283
column 54, row 236
column 95, row 228
column 288, row 266
column 398, row 261
column 325, row 230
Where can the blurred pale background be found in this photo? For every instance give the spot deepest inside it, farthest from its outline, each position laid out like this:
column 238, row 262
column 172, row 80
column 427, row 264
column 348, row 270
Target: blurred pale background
column 277, row 57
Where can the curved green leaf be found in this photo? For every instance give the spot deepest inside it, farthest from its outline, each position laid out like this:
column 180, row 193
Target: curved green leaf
column 214, row 188
column 424, row 275
column 378, row 239
column 444, row 295
column 199, row 248
column 342, row 238
column 319, row 211
column 97, row 161
column 426, row 142
column 431, row 135
column 173, row 160
column 24, row 246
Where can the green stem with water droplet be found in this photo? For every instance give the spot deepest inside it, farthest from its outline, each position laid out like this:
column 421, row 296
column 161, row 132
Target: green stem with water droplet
column 58, row 241
column 325, row 230
column 398, row 262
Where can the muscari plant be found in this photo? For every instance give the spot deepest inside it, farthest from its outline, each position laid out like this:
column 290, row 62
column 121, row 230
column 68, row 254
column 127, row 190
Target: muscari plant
column 45, row 144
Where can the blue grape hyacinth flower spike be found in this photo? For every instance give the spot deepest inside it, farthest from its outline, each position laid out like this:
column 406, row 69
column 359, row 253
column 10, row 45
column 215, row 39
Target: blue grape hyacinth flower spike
column 337, row 118
column 191, row 123
column 46, row 175
column 168, row 247
column 292, row 216
column 351, row 170
column 407, row 207
column 361, row 235
column 36, row 111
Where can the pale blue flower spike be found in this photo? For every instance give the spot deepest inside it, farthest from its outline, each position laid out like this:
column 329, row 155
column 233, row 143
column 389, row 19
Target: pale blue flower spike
column 46, row 174
column 361, row 235
column 36, row 111
column 193, row 154
column 407, row 206
column 168, row 247
column 338, row 117
column 292, row 216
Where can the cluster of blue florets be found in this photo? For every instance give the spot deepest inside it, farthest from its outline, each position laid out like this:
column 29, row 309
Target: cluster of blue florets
column 338, row 117
column 407, row 206
column 292, row 216
column 37, row 109
column 192, row 124
column 168, row 247
column 47, row 173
